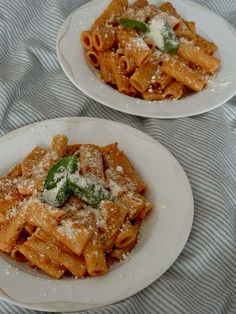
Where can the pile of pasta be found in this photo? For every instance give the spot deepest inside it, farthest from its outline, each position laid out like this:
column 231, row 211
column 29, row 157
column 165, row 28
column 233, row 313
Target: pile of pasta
column 75, row 237
column 129, row 60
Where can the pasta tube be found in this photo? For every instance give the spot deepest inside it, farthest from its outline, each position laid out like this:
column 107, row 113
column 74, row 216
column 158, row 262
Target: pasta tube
column 69, row 233
column 2, row 218
column 31, row 161
column 41, row 261
column 114, row 9
column 126, row 236
column 143, row 76
column 153, row 95
column 174, row 91
column 207, row 46
column 72, row 149
column 141, row 14
column 160, row 80
column 106, row 67
column 5, row 205
column 138, row 4
column 53, row 250
column 113, row 217
column 57, row 149
column 104, row 38
column 145, row 210
column 169, row 8
column 8, row 190
column 120, row 170
column 10, row 231
column 29, row 229
column 121, row 253
column 122, row 81
column 184, row 74
column 126, row 64
column 134, row 202
column 92, row 57
column 94, row 257
column 134, row 46
column 199, row 57
column 86, row 39
column 91, row 162
column 16, row 254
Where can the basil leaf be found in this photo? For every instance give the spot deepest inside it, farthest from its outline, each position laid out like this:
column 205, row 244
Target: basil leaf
column 63, row 180
column 91, row 193
column 60, row 170
column 133, row 24
column 171, row 42
column 56, row 188
column 63, row 193
column 57, row 195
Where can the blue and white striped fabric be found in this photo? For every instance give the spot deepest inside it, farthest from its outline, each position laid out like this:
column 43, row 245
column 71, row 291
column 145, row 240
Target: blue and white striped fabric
column 33, row 87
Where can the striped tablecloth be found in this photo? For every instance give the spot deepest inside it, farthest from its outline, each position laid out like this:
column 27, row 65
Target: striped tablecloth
column 33, row 87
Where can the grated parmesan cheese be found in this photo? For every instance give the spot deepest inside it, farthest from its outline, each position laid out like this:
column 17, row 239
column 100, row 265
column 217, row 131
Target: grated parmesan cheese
column 156, row 27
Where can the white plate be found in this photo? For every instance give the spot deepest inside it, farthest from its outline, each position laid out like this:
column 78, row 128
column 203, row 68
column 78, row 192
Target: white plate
column 71, row 57
column 162, row 238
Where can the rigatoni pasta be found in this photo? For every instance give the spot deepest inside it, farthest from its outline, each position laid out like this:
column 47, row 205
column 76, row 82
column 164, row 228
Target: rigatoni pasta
column 130, row 43
column 85, row 212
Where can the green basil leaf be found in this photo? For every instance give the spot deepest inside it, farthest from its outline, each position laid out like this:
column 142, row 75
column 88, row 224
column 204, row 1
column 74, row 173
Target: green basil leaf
column 171, row 42
column 60, row 170
column 63, row 193
column 91, row 193
column 63, row 180
column 133, row 24
column 57, row 195
column 56, row 187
